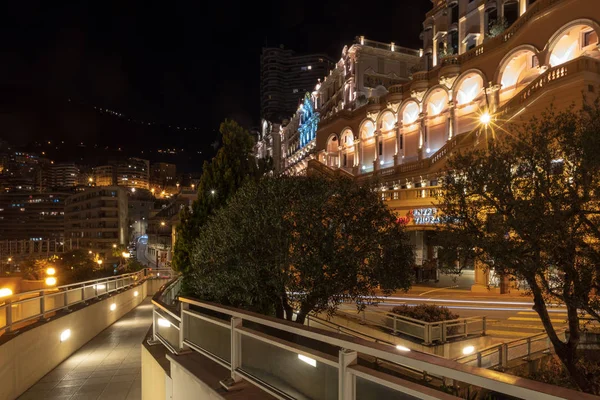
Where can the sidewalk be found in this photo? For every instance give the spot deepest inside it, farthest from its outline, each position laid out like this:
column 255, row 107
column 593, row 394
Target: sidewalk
column 107, row 367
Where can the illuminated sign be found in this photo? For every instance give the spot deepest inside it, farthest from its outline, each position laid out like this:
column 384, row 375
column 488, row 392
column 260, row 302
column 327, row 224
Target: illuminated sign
column 425, row 216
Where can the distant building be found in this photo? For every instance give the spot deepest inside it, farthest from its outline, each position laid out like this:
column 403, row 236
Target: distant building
column 162, row 175
column 32, row 216
column 130, row 173
column 285, row 77
column 141, row 205
column 98, row 219
column 133, row 173
column 104, row 175
column 63, row 175
column 23, row 171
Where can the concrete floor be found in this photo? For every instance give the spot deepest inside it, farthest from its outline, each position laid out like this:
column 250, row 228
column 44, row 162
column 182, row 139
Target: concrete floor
column 107, row 367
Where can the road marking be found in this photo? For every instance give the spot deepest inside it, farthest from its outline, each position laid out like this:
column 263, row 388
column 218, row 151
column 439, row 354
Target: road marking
column 506, row 333
column 519, row 326
column 554, row 321
column 435, row 290
column 556, row 314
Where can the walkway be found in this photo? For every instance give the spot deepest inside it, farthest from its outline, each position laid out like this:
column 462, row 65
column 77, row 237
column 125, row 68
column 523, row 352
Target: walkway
column 107, row 367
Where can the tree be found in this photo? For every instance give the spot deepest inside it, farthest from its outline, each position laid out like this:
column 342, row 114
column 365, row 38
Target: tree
column 300, row 244
column 528, row 207
column 221, row 177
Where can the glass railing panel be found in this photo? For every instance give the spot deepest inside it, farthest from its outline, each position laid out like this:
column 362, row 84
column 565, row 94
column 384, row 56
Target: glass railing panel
column 74, row 296
column 25, row 309
column 54, row 301
column 300, row 377
column 215, row 339
column 166, row 327
column 368, row 390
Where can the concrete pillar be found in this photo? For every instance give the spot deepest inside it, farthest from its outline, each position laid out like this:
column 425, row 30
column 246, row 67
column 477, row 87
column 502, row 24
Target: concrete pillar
column 481, row 278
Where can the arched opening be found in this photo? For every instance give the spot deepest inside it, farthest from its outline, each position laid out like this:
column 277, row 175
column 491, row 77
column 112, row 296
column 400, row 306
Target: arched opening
column 347, row 143
column 573, row 42
column 436, row 133
column 408, row 142
column 469, row 95
column 387, row 141
column 490, row 18
column 367, row 138
column 333, row 151
column 520, row 69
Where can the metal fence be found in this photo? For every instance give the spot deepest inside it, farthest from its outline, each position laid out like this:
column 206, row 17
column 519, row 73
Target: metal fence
column 289, row 360
column 500, row 355
column 22, row 309
column 428, row 332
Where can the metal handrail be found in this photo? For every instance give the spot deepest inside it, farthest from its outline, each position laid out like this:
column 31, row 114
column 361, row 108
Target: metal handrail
column 349, row 348
column 101, row 287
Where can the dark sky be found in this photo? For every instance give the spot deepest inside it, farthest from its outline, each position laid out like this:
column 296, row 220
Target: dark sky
column 189, row 63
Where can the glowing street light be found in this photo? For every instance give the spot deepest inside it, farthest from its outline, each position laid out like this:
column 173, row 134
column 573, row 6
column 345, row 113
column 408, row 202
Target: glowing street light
column 99, row 262
column 213, row 191
column 51, row 281
column 50, row 271
column 89, row 252
column 4, row 292
column 485, row 118
column 114, row 245
column 162, row 223
column 193, row 186
column 9, row 259
column 125, row 254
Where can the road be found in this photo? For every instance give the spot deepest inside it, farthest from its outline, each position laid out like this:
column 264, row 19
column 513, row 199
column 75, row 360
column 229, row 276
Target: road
column 141, row 252
column 509, row 318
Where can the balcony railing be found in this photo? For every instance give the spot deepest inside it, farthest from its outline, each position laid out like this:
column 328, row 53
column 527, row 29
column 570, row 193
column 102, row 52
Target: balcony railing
column 289, row 360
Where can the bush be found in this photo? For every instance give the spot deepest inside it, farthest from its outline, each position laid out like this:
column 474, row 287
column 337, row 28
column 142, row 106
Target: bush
column 425, row 312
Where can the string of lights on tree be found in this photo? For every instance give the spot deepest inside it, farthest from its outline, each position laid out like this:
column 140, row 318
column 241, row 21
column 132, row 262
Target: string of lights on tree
column 128, row 118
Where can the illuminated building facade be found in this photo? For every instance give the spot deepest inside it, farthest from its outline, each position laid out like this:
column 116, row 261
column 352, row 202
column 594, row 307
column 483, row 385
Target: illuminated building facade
column 545, row 53
column 98, row 219
column 363, row 76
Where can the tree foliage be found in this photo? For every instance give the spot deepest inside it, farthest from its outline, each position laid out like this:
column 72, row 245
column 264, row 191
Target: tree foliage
column 528, row 207
column 221, row 177
column 300, row 244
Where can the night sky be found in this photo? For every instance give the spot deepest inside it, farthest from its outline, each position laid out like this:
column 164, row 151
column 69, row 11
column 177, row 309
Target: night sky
column 173, row 63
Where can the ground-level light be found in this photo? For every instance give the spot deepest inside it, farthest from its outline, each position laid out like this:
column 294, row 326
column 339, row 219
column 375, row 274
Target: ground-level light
column 164, row 323
column 402, row 348
column 65, row 335
column 113, row 307
column 468, row 350
column 135, row 294
column 308, row 360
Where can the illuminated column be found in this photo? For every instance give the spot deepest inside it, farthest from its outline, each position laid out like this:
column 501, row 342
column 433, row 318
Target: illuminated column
column 422, row 134
column 359, row 150
column 398, row 132
column 451, row 120
column 522, row 7
column 339, row 157
column 376, row 159
column 493, row 95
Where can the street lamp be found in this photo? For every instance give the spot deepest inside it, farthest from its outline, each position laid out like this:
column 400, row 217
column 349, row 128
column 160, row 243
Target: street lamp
column 51, row 281
column 125, row 254
column 99, row 262
column 485, row 118
column 114, row 245
column 162, row 223
column 213, row 192
column 50, row 271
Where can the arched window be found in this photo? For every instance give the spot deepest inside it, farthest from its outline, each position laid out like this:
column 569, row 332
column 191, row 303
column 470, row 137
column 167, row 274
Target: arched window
column 410, row 113
column 519, row 69
column 571, row 43
column 511, row 11
column 367, row 130
column 387, row 122
column 437, row 102
column 470, row 88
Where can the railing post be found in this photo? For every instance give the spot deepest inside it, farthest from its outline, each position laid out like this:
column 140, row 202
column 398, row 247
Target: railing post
column 427, row 333
column 66, row 299
column 504, row 355
column 182, row 326
column 484, row 326
column 443, row 332
column 43, row 303
column 154, row 339
column 395, row 326
column 236, row 348
column 8, row 315
column 346, row 383
column 479, row 359
column 466, row 328
column 529, row 348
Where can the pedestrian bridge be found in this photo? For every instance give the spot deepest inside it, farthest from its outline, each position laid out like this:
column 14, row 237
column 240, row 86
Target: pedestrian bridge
column 107, row 339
